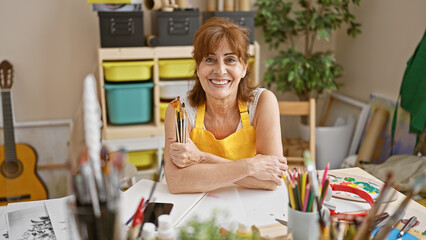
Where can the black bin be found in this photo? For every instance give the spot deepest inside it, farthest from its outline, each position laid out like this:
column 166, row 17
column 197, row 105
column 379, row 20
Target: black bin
column 121, row 29
column 175, row 28
column 242, row 18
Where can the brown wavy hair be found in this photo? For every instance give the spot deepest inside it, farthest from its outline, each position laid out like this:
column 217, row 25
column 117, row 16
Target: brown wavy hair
column 206, row 41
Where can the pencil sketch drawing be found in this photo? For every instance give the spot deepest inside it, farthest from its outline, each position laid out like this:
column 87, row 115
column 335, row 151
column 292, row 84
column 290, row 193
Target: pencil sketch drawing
column 30, row 223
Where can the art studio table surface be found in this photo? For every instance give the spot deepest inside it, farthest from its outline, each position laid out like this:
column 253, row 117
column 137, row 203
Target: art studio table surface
column 259, row 207
column 275, row 206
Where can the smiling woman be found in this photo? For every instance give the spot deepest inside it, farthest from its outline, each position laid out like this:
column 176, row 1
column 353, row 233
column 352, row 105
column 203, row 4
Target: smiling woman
column 234, row 128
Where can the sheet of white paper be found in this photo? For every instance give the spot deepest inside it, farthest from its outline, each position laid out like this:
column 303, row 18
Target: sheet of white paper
column 344, row 206
column 262, row 206
column 13, row 207
column 58, row 212
column 3, row 224
column 182, row 203
column 30, row 223
column 225, row 202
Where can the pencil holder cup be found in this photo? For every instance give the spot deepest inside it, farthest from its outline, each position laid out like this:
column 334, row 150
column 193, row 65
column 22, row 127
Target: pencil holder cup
column 85, row 226
column 305, row 225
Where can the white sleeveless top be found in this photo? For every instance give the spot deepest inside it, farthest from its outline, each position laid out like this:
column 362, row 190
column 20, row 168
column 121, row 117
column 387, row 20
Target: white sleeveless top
column 251, row 106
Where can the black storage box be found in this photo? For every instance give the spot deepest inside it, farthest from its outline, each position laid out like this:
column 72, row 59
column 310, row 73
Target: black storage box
column 242, row 18
column 121, row 29
column 175, row 28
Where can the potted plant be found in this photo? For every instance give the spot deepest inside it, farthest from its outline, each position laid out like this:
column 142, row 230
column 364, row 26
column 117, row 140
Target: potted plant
column 307, row 72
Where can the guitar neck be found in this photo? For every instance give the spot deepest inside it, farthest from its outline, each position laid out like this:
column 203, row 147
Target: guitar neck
column 9, row 134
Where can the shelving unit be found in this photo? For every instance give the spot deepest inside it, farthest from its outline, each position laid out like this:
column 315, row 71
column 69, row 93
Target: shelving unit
column 155, row 127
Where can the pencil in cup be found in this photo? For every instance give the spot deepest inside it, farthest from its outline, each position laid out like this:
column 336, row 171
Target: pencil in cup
column 300, row 192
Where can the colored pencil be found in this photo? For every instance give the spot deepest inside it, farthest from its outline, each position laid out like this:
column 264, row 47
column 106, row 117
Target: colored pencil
column 325, row 174
column 290, row 193
column 303, row 187
column 299, row 179
column 297, row 198
column 324, row 191
column 306, row 200
column 310, row 201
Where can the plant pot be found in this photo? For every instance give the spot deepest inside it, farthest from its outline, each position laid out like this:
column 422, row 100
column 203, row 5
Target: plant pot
column 331, row 144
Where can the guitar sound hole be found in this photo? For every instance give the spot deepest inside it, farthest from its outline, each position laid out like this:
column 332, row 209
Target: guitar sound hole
column 11, row 169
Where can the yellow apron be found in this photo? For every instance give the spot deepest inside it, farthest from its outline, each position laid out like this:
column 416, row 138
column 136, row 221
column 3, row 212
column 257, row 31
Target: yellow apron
column 238, row 145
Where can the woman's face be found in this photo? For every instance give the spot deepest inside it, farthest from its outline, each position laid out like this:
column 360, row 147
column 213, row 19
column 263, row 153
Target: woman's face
column 220, row 72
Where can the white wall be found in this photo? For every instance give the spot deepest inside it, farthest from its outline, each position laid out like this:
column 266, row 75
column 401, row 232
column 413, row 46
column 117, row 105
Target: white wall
column 52, row 46
column 375, row 61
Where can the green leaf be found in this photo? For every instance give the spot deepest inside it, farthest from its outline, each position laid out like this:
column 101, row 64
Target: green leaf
column 290, row 76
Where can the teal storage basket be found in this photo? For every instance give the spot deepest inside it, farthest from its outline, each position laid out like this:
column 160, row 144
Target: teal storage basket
column 129, row 103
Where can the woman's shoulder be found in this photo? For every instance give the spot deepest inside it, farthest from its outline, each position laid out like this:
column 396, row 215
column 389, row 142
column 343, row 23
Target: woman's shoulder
column 267, row 106
column 260, row 94
column 267, row 99
column 261, row 97
column 267, row 95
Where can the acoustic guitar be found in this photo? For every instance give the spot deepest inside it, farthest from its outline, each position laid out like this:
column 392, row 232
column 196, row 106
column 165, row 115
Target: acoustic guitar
column 19, row 180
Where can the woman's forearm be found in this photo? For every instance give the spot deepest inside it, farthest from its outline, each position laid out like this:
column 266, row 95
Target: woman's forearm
column 211, row 158
column 247, row 182
column 259, row 172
